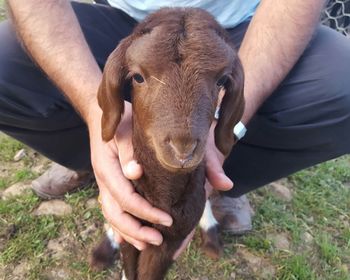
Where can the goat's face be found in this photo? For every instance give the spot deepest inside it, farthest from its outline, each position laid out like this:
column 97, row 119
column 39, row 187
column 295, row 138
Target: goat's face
column 175, row 64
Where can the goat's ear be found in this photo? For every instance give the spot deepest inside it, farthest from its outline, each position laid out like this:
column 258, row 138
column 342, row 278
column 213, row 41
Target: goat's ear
column 231, row 110
column 110, row 93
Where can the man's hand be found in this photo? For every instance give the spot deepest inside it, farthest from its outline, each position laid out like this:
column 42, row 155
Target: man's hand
column 114, row 165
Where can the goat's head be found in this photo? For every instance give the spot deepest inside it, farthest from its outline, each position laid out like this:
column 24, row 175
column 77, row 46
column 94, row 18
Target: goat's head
column 175, row 63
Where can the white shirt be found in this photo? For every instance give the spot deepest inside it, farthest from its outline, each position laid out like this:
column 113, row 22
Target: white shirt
column 229, row 13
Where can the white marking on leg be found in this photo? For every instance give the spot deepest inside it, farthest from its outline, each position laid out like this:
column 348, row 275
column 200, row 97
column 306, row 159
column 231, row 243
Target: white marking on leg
column 110, row 236
column 207, row 220
column 124, row 277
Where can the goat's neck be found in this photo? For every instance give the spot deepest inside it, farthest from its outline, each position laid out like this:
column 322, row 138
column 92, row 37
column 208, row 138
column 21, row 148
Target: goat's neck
column 158, row 185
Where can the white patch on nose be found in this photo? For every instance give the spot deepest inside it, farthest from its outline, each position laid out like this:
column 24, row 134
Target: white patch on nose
column 110, row 236
column 208, row 220
column 124, row 277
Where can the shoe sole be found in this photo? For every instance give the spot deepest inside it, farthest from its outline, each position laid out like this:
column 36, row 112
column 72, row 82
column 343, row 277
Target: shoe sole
column 47, row 196
column 237, row 232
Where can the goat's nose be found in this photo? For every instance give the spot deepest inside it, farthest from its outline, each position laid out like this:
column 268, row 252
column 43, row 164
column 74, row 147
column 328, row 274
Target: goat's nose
column 183, row 148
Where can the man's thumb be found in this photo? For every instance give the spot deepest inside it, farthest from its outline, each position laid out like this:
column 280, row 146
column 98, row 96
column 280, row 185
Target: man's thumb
column 216, row 175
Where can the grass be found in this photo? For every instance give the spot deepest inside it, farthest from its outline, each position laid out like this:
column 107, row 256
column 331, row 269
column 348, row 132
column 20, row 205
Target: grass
column 2, row 10
column 297, row 267
column 8, row 149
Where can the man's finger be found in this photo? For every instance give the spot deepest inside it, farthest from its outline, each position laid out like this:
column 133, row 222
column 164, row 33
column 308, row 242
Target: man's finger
column 132, row 202
column 123, row 140
column 133, row 228
column 135, row 204
column 131, row 169
column 125, row 238
column 127, row 225
column 215, row 173
column 214, row 160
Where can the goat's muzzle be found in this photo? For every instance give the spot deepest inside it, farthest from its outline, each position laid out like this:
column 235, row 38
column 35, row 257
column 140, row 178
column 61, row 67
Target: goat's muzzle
column 183, row 149
column 180, row 153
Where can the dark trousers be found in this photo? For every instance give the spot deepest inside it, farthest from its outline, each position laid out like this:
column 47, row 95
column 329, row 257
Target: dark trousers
column 306, row 120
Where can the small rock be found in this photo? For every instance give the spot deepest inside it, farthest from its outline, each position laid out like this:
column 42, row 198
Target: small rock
column 3, row 270
column 21, row 270
column 281, row 191
column 345, row 268
column 8, row 231
column 60, row 247
column 56, row 274
column 268, row 272
column 307, row 237
column 56, row 248
column 92, row 203
column 257, row 265
column 39, row 169
column 15, row 190
column 310, row 219
column 254, row 262
column 88, row 232
column 19, row 155
column 280, row 241
column 343, row 217
column 53, row 207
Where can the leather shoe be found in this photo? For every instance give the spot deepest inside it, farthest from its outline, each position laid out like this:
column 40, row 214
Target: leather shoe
column 233, row 214
column 59, row 180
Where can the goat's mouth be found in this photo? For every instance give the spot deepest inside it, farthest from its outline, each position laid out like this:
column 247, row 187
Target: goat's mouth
column 173, row 165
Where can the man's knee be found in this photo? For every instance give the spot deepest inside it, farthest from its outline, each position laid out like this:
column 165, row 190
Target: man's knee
column 318, row 87
column 335, row 82
column 331, row 52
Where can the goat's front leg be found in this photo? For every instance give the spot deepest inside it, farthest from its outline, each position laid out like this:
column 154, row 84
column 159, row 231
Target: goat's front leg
column 130, row 257
column 211, row 243
column 155, row 261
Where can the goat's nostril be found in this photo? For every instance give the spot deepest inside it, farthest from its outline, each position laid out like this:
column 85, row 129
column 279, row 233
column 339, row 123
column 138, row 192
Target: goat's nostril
column 183, row 150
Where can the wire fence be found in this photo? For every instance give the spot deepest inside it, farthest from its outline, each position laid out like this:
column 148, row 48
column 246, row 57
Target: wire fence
column 337, row 16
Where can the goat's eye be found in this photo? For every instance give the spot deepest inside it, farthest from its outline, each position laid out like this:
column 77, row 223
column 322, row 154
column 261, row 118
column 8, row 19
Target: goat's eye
column 221, row 82
column 138, row 78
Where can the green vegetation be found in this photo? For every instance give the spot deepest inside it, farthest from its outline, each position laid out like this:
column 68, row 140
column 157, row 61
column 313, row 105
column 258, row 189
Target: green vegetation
column 2, row 10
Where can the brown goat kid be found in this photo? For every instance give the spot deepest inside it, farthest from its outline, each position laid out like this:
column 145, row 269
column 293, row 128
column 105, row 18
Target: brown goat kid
column 174, row 64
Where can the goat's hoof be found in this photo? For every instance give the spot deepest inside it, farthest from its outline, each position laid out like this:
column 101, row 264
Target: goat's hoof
column 103, row 256
column 211, row 244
